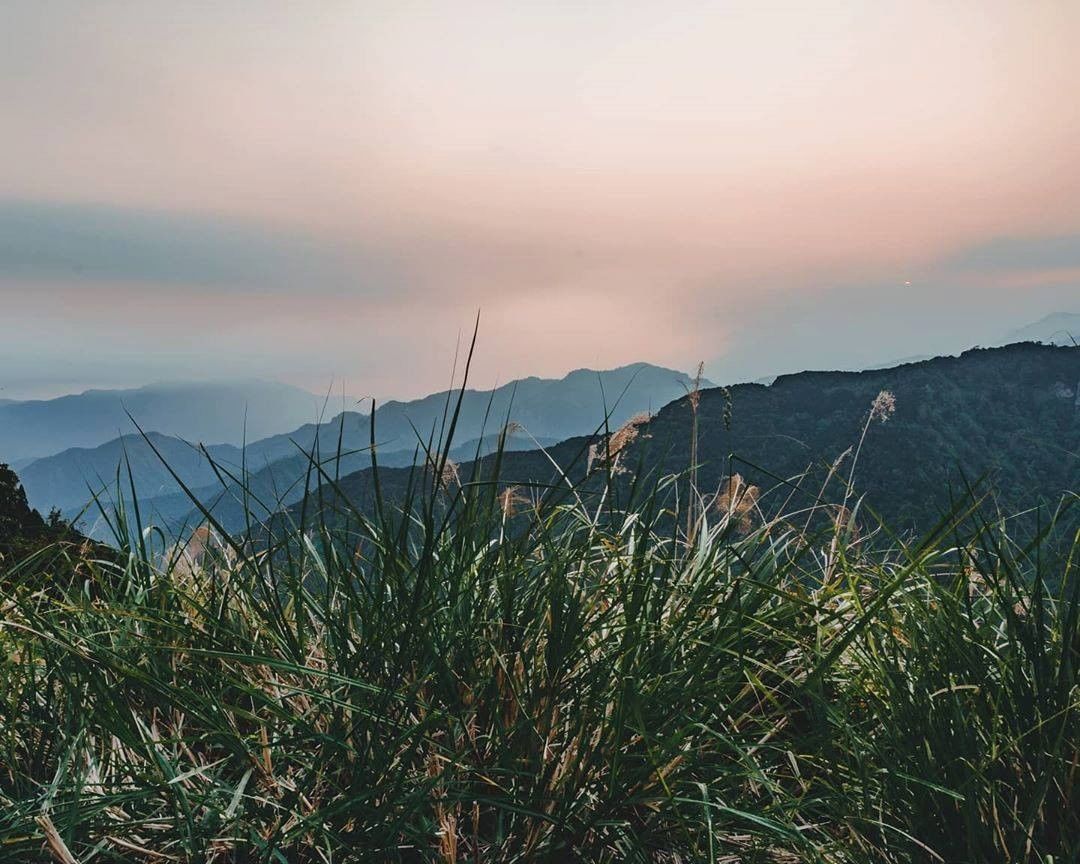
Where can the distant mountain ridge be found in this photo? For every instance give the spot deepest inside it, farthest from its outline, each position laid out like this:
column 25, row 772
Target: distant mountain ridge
column 1059, row 328
column 213, row 411
column 67, row 479
column 546, row 410
column 1006, row 419
column 552, row 408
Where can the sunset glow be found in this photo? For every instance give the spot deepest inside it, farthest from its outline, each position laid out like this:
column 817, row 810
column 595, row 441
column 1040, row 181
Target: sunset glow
column 673, row 180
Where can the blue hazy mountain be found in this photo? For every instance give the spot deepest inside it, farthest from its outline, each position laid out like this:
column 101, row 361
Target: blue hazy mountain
column 546, row 410
column 215, row 411
column 69, row 479
column 1061, row 328
column 551, row 408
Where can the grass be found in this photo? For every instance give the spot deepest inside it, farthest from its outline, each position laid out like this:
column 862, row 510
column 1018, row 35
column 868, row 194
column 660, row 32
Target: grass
column 564, row 679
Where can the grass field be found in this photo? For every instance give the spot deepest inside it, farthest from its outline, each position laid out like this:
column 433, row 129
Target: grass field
column 537, row 675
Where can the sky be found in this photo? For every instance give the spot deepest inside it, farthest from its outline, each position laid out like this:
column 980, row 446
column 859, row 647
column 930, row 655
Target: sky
column 331, row 191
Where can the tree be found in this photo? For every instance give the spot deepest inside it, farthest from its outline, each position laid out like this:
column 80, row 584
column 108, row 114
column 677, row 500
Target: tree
column 17, row 519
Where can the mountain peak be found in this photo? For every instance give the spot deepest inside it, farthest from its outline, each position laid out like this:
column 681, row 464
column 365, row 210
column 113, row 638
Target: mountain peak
column 1057, row 328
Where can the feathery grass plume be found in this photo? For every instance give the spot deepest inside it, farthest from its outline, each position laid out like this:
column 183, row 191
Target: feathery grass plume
column 693, row 394
column 510, row 499
column 606, row 453
column 883, row 407
column 202, row 546
column 627, row 434
column 449, row 473
column 737, row 500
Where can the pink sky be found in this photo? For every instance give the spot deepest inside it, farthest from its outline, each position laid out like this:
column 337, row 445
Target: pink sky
column 607, row 182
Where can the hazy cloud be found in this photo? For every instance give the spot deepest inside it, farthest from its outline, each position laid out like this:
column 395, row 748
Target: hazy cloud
column 51, row 242
column 294, row 192
column 1011, row 254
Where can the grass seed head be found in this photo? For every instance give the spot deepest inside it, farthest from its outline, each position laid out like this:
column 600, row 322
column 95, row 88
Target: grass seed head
column 883, row 406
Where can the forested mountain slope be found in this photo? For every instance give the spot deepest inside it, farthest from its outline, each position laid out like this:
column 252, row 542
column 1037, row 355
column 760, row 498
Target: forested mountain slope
column 1003, row 420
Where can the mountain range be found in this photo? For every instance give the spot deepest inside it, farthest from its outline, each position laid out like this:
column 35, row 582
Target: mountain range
column 69, row 480
column 215, row 411
column 1060, row 328
column 1004, row 422
column 545, row 411
column 542, row 412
